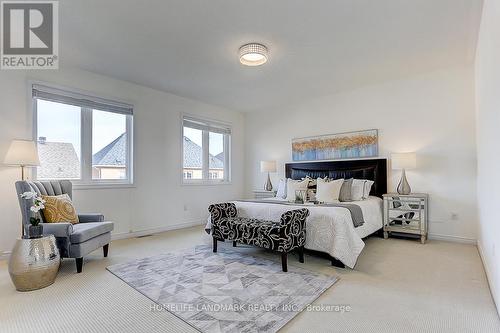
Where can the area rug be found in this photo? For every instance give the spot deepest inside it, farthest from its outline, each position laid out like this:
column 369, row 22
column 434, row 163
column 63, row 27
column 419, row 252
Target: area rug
column 227, row 291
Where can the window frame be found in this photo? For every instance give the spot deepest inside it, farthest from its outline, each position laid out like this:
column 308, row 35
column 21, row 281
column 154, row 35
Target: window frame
column 86, row 181
column 226, row 180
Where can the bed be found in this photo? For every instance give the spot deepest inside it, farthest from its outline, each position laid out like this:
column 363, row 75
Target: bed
column 330, row 230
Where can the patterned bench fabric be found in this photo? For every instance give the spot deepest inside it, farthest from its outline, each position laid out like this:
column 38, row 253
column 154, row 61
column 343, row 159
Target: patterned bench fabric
column 283, row 236
column 221, row 210
column 293, row 225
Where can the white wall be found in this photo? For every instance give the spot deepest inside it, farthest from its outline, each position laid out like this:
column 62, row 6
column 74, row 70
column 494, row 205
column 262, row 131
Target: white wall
column 432, row 114
column 158, row 199
column 488, row 138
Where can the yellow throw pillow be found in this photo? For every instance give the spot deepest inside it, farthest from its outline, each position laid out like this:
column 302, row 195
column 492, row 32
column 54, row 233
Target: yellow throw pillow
column 59, row 208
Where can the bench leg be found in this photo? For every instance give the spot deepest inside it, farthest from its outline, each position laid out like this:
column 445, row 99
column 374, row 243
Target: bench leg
column 234, row 243
column 284, row 261
column 215, row 245
column 301, row 254
column 105, row 249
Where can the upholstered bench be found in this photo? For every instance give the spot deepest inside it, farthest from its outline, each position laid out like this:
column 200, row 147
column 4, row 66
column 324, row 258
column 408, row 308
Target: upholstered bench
column 283, row 236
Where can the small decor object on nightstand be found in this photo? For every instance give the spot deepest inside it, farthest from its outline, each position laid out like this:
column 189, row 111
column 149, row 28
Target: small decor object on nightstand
column 35, row 230
column 268, row 166
column 404, row 161
column 406, row 214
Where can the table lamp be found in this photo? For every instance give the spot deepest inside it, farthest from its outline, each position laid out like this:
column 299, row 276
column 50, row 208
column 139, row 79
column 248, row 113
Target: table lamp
column 22, row 153
column 268, row 166
column 404, row 161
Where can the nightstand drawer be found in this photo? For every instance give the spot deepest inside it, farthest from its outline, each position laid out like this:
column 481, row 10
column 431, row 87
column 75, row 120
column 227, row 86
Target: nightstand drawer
column 261, row 194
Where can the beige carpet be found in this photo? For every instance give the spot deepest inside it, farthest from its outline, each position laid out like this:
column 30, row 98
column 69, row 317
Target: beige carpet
column 397, row 286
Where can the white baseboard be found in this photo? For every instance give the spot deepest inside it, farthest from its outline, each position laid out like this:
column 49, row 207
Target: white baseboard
column 125, row 235
column 139, row 233
column 488, row 276
column 455, row 239
column 5, row 255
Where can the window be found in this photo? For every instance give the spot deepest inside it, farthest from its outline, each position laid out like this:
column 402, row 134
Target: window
column 82, row 138
column 109, row 145
column 59, row 150
column 205, row 151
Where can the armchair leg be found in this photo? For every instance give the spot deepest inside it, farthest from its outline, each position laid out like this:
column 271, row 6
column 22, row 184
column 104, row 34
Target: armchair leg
column 79, row 264
column 284, row 261
column 301, row 254
column 234, row 243
column 215, row 245
column 105, row 249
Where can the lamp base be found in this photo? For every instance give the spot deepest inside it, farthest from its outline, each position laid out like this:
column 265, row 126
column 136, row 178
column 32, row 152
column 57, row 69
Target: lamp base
column 403, row 187
column 268, row 186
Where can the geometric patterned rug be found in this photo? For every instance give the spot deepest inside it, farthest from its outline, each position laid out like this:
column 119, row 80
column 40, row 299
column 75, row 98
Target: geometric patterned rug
column 227, row 291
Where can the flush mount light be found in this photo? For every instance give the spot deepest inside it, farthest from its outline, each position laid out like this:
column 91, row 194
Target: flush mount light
column 253, row 54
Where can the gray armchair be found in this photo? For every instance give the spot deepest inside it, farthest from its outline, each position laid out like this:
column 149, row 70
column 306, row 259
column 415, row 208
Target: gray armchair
column 73, row 240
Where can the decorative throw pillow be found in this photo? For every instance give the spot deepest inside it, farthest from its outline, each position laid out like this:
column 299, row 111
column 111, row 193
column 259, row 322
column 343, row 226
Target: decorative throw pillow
column 59, row 208
column 295, row 185
column 345, row 191
column 281, row 193
column 367, row 188
column 361, row 189
column 328, row 191
column 312, row 182
column 358, row 189
column 311, row 195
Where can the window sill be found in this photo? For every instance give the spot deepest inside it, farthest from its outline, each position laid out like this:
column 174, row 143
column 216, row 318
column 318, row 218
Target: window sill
column 204, row 183
column 100, row 186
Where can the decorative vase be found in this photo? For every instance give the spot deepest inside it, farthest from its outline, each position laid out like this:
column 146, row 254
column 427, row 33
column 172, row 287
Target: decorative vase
column 35, row 231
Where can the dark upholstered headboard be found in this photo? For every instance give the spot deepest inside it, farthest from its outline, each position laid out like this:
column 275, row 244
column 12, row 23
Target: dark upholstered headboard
column 375, row 170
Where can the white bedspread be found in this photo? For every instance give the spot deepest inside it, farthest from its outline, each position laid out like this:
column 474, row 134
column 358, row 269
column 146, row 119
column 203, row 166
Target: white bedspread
column 329, row 229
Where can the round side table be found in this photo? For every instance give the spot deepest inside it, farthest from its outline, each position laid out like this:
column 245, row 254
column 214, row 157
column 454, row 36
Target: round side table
column 34, row 263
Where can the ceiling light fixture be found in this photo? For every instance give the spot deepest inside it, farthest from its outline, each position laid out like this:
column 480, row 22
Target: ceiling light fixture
column 253, row 54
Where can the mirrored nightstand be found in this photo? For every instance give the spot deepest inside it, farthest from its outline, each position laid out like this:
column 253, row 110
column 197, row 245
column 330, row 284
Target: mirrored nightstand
column 406, row 214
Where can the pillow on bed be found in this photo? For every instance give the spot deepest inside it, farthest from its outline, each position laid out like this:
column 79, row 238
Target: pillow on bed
column 345, row 191
column 361, row 189
column 357, row 189
column 281, row 193
column 312, row 182
column 367, row 188
column 328, row 191
column 295, row 185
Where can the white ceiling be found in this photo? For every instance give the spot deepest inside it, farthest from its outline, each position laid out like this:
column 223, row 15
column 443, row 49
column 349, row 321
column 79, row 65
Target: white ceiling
column 189, row 47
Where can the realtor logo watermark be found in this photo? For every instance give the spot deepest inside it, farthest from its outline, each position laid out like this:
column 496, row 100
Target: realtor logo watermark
column 30, row 35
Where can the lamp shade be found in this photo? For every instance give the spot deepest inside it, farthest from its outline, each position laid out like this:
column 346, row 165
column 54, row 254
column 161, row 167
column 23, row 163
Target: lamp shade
column 22, row 152
column 404, row 160
column 268, row 166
